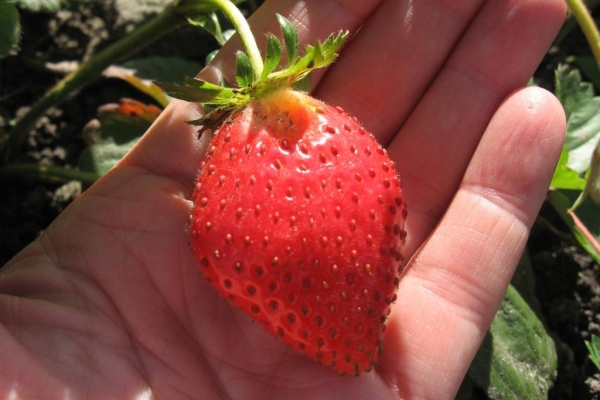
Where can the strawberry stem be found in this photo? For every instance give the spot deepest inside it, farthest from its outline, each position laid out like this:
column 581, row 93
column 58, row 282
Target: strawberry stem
column 243, row 29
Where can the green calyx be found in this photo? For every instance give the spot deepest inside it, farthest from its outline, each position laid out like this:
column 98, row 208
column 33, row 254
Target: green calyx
column 256, row 78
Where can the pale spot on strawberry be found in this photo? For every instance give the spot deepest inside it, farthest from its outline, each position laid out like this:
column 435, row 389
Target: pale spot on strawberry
column 339, row 241
column 372, row 214
column 302, row 168
column 228, row 238
column 217, row 254
column 265, row 241
column 239, row 213
column 353, row 149
column 247, row 149
column 277, row 164
column 369, row 240
column 208, row 226
column 262, row 149
column 237, row 267
column 211, row 169
column 302, row 148
column 203, row 202
column 324, row 241
column 222, row 204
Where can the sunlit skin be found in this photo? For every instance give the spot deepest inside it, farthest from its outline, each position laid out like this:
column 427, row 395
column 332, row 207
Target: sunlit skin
column 109, row 301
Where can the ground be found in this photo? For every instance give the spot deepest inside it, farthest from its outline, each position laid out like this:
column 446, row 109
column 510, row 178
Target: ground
column 566, row 278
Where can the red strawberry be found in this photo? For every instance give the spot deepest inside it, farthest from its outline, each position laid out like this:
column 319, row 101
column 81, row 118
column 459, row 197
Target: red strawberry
column 298, row 219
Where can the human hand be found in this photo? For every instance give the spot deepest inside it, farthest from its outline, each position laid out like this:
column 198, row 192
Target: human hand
column 109, row 302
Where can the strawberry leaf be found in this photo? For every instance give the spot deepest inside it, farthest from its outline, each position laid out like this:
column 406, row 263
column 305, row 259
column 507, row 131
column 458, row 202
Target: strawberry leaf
column 273, row 56
column 200, row 91
column 564, row 177
column 570, row 90
column 594, row 350
column 290, row 38
column 243, row 72
column 498, row 365
column 10, row 29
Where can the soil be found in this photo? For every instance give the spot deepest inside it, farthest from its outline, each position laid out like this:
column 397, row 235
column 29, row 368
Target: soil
column 567, row 279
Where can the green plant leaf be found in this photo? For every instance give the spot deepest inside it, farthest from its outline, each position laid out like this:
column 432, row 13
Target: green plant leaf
column 583, row 117
column 10, row 29
column 290, row 38
column 117, row 130
column 588, row 66
column 172, row 69
column 570, row 90
column 593, row 347
column 517, row 359
column 243, row 69
column 564, row 177
column 199, row 91
column 273, row 56
column 211, row 24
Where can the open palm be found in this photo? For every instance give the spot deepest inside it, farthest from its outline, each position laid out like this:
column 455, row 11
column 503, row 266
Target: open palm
column 109, row 302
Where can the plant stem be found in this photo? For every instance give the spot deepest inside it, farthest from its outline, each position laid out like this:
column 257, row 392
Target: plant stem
column 588, row 26
column 49, row 172
column 174, row 16
column 89, row 71
column 243, row 30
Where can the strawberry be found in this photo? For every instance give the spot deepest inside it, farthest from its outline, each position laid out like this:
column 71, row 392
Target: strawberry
column 298, row 214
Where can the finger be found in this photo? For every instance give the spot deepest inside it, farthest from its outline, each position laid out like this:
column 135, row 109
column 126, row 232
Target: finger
column 497, row 54
column 388, row 65
column 455, row 282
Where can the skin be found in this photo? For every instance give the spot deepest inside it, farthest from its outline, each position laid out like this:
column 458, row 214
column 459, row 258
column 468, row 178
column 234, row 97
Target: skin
column 108, row 303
